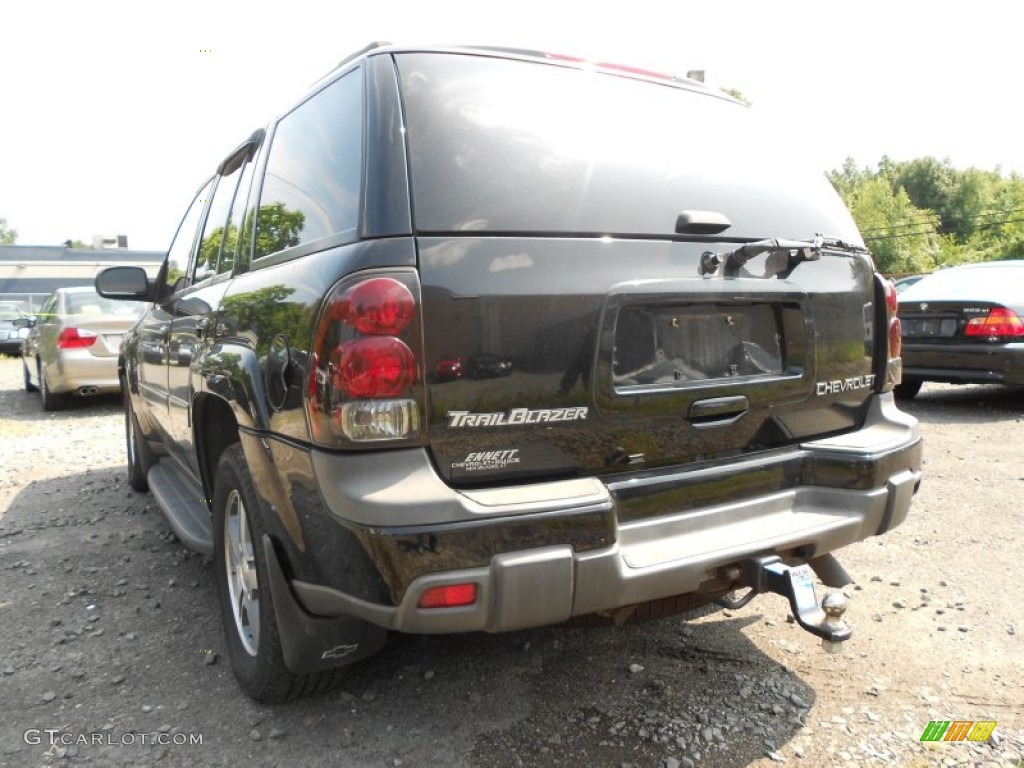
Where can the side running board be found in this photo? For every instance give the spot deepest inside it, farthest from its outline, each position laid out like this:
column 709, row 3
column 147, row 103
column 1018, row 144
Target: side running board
column 182, row 503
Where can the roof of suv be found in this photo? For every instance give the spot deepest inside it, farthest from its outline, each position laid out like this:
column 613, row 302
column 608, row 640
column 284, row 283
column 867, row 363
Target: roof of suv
column 526, row 54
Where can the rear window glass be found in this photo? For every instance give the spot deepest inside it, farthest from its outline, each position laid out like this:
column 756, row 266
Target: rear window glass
column 94, row 304
column 510, row 146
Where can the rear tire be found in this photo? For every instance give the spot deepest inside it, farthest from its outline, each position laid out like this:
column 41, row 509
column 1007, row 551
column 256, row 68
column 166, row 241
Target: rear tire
column 140, row 457
column 243, row 584
column 29, row 386
column 908, row 389
column 51, row 401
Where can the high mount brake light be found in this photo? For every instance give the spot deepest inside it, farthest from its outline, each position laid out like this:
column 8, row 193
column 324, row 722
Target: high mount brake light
column 76, row 338
column 612, row 67
column 1000, row 323
column 365, row 371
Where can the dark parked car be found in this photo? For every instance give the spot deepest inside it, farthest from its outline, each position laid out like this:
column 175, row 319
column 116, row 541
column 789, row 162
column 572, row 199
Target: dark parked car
column 12, row 335
column 704, row 403
column 485, row 366
column 902, row 283
column 964, row 325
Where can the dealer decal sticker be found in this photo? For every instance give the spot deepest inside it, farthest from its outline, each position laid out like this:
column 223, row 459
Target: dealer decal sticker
column 488, row 461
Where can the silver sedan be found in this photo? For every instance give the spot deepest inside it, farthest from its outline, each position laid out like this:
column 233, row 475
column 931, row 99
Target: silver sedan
column 73, row 344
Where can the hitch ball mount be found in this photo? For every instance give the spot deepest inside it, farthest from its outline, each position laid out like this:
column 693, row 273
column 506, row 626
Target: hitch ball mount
column 796, row 583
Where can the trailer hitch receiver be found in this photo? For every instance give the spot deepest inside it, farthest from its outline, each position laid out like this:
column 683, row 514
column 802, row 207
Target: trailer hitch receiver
column 796, row 583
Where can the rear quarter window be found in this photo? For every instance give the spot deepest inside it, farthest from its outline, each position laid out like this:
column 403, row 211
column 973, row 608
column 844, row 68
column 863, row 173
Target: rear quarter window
column 314, row 169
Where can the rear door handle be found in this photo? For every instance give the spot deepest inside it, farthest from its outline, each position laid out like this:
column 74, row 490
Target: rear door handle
column 717, row 411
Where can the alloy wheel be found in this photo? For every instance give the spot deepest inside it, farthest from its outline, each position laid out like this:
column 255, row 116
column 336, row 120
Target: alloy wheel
column 242, row 579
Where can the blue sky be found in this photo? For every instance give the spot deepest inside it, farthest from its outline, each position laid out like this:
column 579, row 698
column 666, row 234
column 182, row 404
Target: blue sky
column 114, row 112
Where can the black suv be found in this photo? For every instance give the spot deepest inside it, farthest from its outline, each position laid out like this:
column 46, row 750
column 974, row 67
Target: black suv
column 700, row 363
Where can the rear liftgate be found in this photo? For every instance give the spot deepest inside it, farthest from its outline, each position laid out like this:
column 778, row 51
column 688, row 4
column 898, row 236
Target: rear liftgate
column 796, row 583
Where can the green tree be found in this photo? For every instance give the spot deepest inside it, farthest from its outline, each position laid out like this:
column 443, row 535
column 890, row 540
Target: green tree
column 999, row 234
column 210, row 248
column 269, row 313
column 279, row 228
column 902, row 237
column 7, row 234
column 737, row 94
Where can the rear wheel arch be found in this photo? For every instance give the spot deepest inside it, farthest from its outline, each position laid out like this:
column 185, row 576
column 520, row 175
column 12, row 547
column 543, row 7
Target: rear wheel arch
column 215, row 430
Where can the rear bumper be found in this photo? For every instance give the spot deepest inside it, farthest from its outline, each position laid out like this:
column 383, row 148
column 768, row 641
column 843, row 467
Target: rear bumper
column 544, row 553
column 77, row 368
column 965, row 363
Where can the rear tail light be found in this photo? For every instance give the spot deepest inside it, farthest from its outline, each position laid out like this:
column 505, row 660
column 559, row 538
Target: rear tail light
column 374, row 367
column 889, row 365
column 365, row 376
column 76, row 338
column 1001, row 323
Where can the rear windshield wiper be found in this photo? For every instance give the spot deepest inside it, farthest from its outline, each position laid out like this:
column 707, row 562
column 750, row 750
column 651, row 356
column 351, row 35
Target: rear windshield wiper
column 783, row 255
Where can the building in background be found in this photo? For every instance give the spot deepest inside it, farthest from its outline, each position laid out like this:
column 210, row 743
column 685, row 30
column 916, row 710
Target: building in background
column 29, row 273
column 109, row 241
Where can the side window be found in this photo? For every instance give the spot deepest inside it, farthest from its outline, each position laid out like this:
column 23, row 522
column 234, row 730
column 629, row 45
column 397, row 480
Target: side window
column 314, row 170
column 180, row 252
column 216, row 226
column 235, row 241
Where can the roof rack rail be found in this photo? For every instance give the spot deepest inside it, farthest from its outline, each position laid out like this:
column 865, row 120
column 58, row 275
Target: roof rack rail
column 361, row 51
column 365, row 49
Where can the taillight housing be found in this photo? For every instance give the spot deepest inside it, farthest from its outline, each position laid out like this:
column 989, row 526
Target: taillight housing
column 889, row 336
column 365, row 376
column 76, row 338
column 1000, row 324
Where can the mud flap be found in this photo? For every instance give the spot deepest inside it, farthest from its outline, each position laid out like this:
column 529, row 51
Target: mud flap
column 315, row 643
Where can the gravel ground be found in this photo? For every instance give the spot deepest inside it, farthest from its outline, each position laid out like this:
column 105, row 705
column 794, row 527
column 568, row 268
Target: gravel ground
column 110, row 640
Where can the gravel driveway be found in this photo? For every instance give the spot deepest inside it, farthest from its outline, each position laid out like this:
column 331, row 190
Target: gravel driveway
column 111, row 651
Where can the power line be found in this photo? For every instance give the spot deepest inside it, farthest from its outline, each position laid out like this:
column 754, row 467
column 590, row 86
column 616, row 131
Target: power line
column 926, row 219
column 989, row 225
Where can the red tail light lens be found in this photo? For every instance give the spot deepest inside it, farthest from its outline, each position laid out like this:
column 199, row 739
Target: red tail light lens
column 76, row 338
column 373, row 367
column 378, row 306
column 1000, row 323
column 365, row 372
column 888, row 335
column 892, row 301
column 895, row 337
column 450, row 596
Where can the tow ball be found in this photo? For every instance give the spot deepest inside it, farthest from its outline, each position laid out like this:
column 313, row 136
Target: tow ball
column 796, row 583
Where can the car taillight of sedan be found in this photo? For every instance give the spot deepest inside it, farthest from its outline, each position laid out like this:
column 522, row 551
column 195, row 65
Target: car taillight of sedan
column 1001, row 323
column 76, row 338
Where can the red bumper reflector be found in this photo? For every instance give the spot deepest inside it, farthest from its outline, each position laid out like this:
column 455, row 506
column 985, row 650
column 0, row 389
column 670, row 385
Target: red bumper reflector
column 448, row 596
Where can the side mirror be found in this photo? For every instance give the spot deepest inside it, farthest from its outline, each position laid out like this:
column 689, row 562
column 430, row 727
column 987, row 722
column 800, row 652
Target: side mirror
column 23, row 322
column 130, row 283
